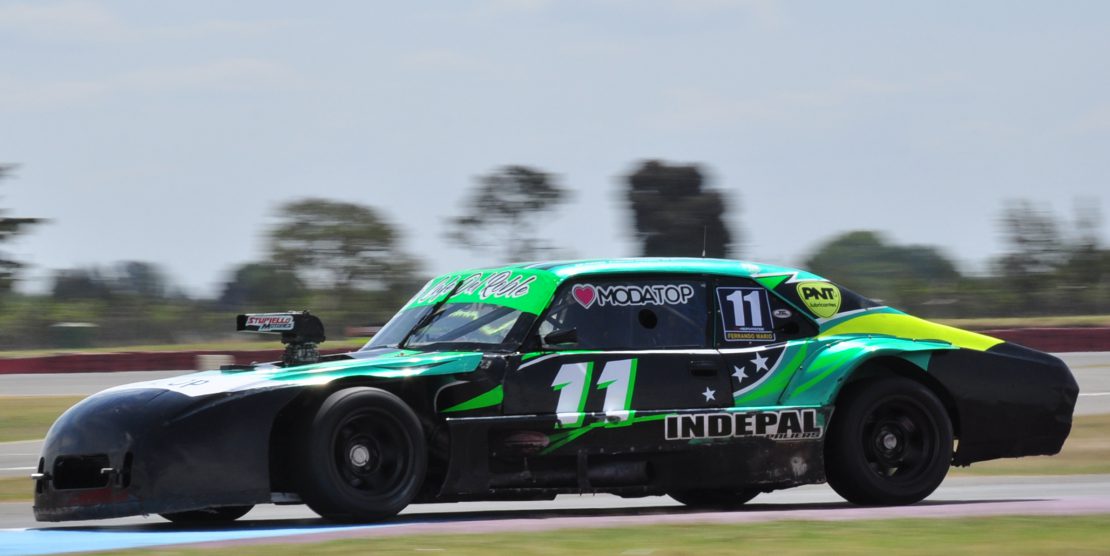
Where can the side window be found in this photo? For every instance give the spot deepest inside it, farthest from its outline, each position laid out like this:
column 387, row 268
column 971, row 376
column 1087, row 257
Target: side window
column 633, row 313
column 746, row 314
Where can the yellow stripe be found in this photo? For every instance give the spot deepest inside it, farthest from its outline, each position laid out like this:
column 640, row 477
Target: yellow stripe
column 906, row 326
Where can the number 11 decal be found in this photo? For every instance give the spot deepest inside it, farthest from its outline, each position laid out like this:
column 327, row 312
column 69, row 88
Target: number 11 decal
column 617, row 379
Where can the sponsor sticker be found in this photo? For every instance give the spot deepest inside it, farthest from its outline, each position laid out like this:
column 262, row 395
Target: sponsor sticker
column 782, row 313
column 822, row 298
column 790, row 424
column 630, row 295
column 270, row 323
column 746, row 315
column 498, row 285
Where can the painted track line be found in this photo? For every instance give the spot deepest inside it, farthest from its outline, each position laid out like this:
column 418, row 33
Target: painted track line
column 756, row 513
column 95, row 539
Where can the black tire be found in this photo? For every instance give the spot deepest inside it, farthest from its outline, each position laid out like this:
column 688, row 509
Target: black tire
column 720, row 499
column 362, row 456
column 223, row 514
column 889, row 443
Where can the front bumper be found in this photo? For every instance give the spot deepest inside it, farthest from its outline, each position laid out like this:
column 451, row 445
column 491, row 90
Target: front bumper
column 145, row 451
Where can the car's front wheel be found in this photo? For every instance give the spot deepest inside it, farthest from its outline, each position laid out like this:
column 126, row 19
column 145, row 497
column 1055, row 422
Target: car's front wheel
column 889, row 442
column 362, row 456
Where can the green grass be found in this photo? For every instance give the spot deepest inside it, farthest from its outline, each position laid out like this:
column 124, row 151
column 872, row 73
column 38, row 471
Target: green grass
column 994, row 535
column 28, row 418
column 17, row 489
column 987, row 323
column 240, row 345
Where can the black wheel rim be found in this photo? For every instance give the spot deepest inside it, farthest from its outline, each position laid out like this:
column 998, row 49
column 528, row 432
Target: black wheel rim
column 899, row 440
column 372, row 453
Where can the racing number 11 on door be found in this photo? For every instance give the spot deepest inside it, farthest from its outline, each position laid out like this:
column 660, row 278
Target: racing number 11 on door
column 617, row 379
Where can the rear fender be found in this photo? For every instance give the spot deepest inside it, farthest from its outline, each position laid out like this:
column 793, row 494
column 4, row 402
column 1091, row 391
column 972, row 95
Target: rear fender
column 832, row 365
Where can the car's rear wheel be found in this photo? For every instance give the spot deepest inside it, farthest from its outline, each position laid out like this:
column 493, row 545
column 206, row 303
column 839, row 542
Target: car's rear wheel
column 362, row 456
column 222, row 514
column 889, row 443
column 721, row 499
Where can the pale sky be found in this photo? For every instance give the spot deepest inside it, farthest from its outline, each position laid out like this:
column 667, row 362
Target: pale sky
column 169, row 132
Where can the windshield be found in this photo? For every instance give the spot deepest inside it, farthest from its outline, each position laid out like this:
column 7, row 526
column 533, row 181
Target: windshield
column 456, row 326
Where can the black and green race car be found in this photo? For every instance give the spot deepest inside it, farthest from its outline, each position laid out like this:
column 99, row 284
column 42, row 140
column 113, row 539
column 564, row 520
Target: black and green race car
column 707, row 380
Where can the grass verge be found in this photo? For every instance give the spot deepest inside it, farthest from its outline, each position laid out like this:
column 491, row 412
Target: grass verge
column 28, row 418
column 988, row 323
column 994, row 535
column 244, row 345
column 17, row 489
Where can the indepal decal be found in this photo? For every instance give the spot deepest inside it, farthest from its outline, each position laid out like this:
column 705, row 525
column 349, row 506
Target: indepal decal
column 791, row 424
column 584, row 294
column 822, row 298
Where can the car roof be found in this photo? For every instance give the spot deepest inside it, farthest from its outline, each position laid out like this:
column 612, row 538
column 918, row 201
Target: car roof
column 680, row 265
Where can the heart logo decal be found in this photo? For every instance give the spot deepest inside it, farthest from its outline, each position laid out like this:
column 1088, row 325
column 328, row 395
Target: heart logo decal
column 584, row 294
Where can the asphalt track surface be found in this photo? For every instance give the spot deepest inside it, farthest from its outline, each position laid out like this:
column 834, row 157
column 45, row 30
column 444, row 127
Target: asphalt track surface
column 958, row 496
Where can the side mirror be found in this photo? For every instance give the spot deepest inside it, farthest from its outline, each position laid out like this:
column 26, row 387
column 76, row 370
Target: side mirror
column 568, row 336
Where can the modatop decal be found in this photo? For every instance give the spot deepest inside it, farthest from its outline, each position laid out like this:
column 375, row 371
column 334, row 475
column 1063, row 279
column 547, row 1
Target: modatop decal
column 632, row 295
column 822, row 298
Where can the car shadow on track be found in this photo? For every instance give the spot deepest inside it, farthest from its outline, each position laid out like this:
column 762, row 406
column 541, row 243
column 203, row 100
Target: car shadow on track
column 313, row 524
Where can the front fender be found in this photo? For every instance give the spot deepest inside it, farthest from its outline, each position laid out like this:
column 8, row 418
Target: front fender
column 164, row 451
column 828, row 367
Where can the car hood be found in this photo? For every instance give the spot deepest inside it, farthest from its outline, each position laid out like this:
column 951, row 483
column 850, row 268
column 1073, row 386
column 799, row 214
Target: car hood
column 381, row 363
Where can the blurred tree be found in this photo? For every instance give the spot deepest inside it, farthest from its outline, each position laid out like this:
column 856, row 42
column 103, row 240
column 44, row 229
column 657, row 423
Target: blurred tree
column 912, row 276
column 263, row 287
column 10, row 228
column 674, row 213
column 140, row 279
column 80, row 283
column 135, row 279
column 1034, row 243
column 340, row 246
column 501, row 212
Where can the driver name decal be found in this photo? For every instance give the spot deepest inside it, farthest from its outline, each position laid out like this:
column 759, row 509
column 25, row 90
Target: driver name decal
column 792, row 424
column 497, row 285
column 622, row 296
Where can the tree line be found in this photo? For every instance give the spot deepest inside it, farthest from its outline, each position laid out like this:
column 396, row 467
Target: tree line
column 345, row 262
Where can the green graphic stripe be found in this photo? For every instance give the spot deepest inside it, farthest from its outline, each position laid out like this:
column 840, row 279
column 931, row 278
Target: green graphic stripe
column 521, row 289
column 772, row 282
column 826, row 366
column 488, row 399
column 905, row 326
column 777, row 383
column 631, row 384
column 558, row 440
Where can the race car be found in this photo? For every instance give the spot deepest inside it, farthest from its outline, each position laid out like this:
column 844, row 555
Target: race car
column 707, row 380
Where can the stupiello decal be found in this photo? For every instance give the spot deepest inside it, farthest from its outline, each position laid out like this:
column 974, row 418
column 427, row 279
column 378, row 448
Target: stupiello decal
column 632, row 295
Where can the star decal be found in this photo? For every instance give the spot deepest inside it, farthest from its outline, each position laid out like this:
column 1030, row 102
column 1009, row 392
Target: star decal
column 739, row 374
column 760, row 362
column 710, row 394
